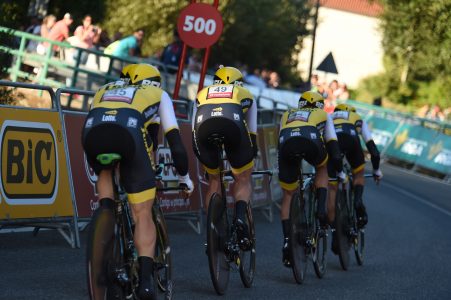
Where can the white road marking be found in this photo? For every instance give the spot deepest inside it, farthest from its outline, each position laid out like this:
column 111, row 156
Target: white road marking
column 419, row 199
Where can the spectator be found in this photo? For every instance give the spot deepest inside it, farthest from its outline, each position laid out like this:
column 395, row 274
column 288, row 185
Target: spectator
column 377, row 101
column 274, row 80
column 344, row 93
column 194, row 63
column 85, row 36
column 47, row 24
column 34, row 28
column 314, row 83
column 60, row 31
column 172, row 53
column 435, row 113
column 423, row 111
column 129, row 46
column 255, row 79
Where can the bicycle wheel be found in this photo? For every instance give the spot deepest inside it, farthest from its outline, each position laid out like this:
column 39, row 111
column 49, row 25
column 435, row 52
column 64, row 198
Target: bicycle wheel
column 217, row 235
column 247, row 258
column 297, row 246
column 319, row 237
column 341, row 228
column 102, row 257
column 162, row 258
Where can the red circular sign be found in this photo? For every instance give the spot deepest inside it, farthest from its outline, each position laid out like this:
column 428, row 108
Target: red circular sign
column 199, row 25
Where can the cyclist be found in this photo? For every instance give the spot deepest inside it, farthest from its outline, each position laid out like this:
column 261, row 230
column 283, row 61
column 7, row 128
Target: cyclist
column 306, row 132
column 227, row 109
column 117, row 123
column 348, row 125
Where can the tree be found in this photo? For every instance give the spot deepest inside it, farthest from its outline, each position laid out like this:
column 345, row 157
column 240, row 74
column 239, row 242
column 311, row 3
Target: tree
column 263, row 34
column 258, row 33
column 417, row 45
column 12, row 15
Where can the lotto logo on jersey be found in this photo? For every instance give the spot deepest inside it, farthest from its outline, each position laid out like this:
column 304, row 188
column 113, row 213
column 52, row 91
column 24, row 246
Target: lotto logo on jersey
column 223, row 91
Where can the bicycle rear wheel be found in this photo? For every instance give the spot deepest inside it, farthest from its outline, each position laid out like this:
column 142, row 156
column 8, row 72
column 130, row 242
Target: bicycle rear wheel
column 217, row 235
column 341, row 228
column 162, row 258
column 247, row 258
column 298, row 254
column 102, row 257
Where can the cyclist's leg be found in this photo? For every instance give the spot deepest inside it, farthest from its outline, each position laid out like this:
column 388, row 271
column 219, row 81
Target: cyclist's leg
column 332, row 192
column 357, row 161
column 321, row 183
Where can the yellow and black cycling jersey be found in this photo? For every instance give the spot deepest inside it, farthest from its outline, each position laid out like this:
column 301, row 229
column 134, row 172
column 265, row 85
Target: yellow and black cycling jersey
column 151, row 102
column 347, row 121
column 313, row 117
column 218, row 94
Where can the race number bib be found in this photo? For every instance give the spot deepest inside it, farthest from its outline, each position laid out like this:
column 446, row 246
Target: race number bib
column 120, row 95
column 222, row 91
column 300, row 115
column 341, row 115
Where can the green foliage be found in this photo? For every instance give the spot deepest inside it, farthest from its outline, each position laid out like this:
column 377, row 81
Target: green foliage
column 417, row 45
column 262, row 34
column 157, row 17
column 78, row 9
column 258, row 33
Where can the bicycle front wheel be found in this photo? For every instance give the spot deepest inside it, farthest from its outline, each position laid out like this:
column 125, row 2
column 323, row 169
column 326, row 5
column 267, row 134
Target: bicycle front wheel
column 217, row 235
column 100, row 257
column 162, row 258
column 247, row 258
column 297, row 246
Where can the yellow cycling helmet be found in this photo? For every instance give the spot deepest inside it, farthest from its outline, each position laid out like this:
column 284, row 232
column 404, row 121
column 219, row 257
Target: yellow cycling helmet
column 228, row 75
column 145, row 74
column 311, row 99
column 344, row 107
column 125, row 72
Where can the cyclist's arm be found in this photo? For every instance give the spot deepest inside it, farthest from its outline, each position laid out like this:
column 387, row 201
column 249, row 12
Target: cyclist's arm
column 172, row 133
column 371, row 146
column 332, row 146
column 251, row 120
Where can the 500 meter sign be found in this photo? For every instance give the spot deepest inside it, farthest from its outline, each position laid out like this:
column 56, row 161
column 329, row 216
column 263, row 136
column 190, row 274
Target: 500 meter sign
column 199, row 25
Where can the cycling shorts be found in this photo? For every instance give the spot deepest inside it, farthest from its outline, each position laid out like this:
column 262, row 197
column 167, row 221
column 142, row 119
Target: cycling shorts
column 350, row 146
column 295, row 144
column 121, row 131
column 226, row 120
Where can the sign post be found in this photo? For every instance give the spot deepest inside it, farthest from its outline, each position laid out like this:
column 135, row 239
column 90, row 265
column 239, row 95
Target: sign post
column 199, row 26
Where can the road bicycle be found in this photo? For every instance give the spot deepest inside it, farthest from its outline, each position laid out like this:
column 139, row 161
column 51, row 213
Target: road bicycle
column 307, row 237
column 223, row 249
column 112, row 260
column 349, row 234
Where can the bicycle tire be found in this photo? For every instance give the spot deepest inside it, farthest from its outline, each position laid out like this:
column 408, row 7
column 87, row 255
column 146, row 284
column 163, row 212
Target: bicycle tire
column 247, row 258
column 358, row 238
column 101, row 257
column 298, row 254
column 217, row 235
column 341, row 227
column 162, row 257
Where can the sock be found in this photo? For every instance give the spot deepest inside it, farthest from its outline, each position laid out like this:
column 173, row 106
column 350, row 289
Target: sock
column 145, row 266
column 286, row 228
column 321, row 196
column 358, row 192
column 240, row 210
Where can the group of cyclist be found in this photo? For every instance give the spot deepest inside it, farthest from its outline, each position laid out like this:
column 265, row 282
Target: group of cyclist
column 125, row 117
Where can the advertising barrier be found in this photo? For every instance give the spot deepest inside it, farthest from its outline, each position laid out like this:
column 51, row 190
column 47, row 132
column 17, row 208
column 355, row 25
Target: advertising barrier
column 438, row 155
column 34, row 181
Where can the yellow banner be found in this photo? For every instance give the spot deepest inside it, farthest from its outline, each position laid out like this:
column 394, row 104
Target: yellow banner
column 34, row 181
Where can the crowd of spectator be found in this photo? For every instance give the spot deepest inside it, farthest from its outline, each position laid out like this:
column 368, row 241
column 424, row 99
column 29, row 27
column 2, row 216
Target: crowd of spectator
column 331, row 91
column 434, row 112
column 263, row 78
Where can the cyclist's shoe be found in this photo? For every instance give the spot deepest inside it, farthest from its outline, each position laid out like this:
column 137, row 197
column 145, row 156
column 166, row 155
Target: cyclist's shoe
column 286, row 253
column 242, row 232
column 362, row 216
column 145, row 288
column 334, row 246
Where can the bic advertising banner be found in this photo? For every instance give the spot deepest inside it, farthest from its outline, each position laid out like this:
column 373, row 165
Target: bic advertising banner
column 34, row 180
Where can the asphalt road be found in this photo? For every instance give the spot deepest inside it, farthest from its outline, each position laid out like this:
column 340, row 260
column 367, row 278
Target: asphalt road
column 408, row 255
